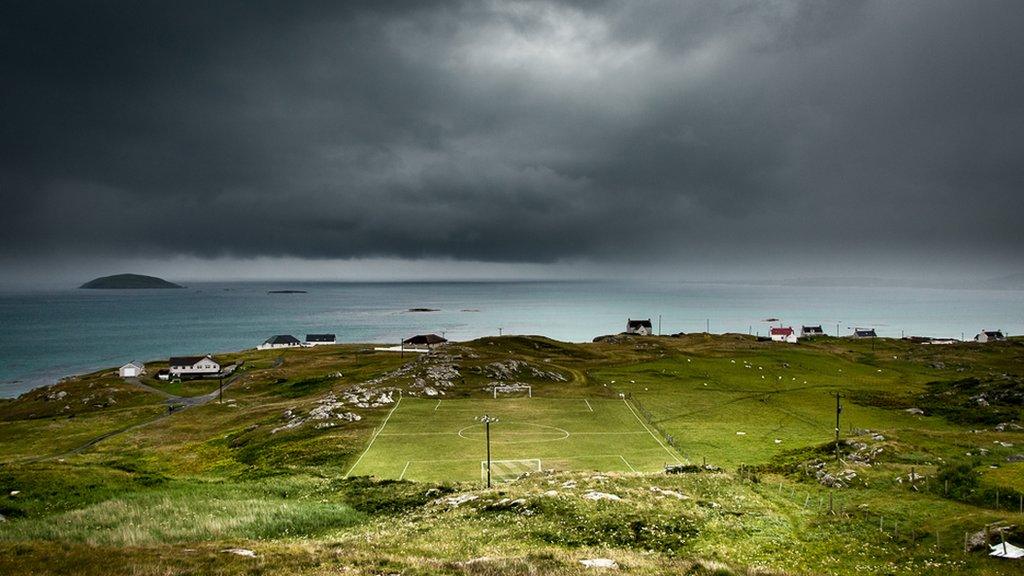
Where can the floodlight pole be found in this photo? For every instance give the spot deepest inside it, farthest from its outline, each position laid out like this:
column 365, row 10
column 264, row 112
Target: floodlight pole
column 487, row 433
column 839, row 410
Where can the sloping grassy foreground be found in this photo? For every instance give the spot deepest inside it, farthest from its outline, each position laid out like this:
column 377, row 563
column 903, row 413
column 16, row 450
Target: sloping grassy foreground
column 124, row 487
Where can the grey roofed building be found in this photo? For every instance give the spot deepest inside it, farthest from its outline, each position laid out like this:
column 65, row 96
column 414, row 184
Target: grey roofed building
column 280, row 341
column 184, row 360
column 320, row 338
column 864, row 333
column 990, row 336
column 811, row 331
column 424, row 340
column 639, row 327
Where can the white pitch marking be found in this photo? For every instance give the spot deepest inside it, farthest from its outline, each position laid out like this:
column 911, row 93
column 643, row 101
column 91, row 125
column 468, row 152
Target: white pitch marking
column 377, row 433
column 438, row 406
column 407, row 462
column 623, row 458
column 588, row 404
column 653, row 435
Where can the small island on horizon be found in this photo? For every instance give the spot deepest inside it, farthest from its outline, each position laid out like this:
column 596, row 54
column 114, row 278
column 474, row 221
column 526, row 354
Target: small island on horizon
column 128, row 282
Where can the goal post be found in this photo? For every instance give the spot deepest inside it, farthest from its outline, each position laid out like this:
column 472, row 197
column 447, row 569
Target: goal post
column 514, row 389
column 507, row 470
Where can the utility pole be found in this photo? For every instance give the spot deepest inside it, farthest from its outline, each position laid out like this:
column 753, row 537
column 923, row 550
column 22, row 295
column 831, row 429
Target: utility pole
column 659, row 324
column 220, row 399
column 707, row 326
column 837, row 329
column 839, row 410
column 487, row 433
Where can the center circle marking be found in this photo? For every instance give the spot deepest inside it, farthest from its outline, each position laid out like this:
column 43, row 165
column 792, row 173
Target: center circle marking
column 498, row 437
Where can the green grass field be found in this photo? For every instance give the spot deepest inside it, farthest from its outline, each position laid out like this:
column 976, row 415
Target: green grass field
column 441, row 440
column 307, row 465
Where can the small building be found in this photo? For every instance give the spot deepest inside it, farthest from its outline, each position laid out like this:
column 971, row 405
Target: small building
column 990, row 336
column 786, row 334
column 428, row 340
column 320, row 339
column 132, row 369
column 811, row 331
column 864, row 333
column 193, row 366
column 280, row 341
column 639, row 327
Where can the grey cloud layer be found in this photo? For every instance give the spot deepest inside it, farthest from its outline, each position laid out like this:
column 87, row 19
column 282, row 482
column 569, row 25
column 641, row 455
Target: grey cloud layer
column 511, row 131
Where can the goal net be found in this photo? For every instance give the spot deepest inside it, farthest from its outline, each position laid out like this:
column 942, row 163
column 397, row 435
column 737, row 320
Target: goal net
column 506, row 470
column 514, row 389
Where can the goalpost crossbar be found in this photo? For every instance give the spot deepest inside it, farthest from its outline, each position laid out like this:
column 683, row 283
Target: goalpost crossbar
column 511, row 388
column 504, row 470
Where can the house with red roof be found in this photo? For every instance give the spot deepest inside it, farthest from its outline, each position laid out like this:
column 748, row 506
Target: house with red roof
column 781, row 334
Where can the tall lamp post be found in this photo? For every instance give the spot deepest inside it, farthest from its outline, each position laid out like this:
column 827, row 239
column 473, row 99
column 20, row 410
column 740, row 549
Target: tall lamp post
column 487, row 433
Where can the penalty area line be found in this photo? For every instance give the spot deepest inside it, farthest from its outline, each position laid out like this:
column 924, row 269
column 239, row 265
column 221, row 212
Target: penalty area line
column 591, row 408
column 406, row 469
column 374, row 439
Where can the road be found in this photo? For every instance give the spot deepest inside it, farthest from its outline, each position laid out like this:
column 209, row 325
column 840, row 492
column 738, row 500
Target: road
column 185, row 402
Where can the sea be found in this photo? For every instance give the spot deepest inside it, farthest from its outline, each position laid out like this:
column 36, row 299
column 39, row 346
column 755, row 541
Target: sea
column 49, row 334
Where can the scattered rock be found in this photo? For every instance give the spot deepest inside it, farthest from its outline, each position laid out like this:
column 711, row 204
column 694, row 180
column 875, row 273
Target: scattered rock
column 595, row 495
column 915, row 411
column 1015, row 458
column 669, row 493
column 600, row 563
column 240, row 552
column 456, row 501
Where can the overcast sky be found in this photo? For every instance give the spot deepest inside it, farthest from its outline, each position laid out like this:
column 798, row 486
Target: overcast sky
column 329, row 139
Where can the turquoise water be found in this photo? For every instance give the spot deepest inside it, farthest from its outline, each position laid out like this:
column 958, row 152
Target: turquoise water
column 50, row 334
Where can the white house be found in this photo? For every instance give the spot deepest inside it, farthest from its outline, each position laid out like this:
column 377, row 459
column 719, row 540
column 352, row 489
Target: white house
column 990, row 336
column 320, row 339
column 810, row 331
column 132, row 369
column 193, row 365
column 280, row 341
column 639, row 327
column 783, row 335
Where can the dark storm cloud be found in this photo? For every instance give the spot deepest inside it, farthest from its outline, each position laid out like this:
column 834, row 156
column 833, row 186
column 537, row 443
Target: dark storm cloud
column 511, row 131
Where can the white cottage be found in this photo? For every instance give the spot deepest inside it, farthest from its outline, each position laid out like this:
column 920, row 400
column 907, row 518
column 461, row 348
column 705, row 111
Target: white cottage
column 639, row 327
column 193, row 366
column 990, row 336
column 783, row 335
column 280, row 341
column 132, row 369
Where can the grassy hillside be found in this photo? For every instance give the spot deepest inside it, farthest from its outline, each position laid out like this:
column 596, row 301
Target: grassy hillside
column 98, row 476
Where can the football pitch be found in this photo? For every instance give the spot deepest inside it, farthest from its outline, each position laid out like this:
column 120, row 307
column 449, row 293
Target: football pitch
column 443, row 440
